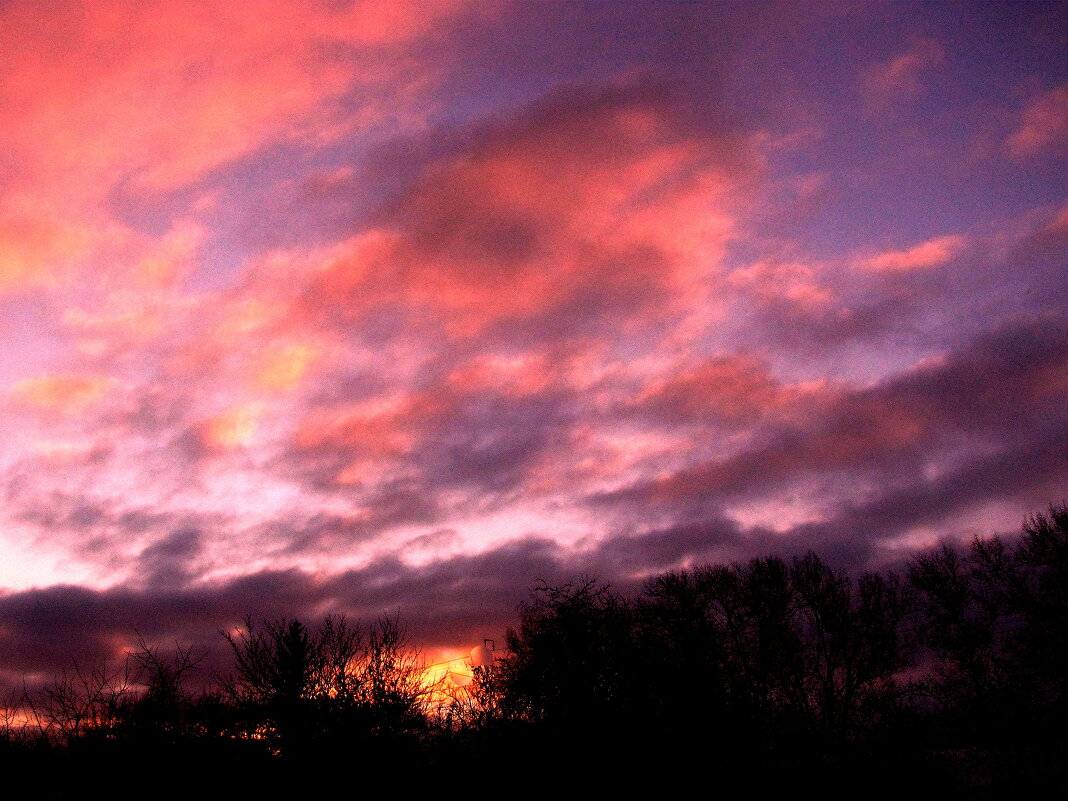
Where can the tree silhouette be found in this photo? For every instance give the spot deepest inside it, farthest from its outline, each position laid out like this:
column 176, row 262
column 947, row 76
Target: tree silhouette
column 995, row 623
column 81, row 703
column 305, row 692
column 569, row 655
column 160, row 712
column 281, row 670
column 853, row 643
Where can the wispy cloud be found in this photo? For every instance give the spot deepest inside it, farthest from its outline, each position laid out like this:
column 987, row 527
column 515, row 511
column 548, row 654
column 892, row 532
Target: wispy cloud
column 901, row 76
column 932, row 253
column 1043, row 124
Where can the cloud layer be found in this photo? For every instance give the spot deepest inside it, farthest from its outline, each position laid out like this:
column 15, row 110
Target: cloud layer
column 394, row 309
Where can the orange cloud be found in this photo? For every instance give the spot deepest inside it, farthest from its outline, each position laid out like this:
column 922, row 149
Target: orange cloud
column 1044, row 124
column 231, row 429
column 171, row 258
column 283, row 366
column 66, row 394
column 931, row 253
column 36, row 247
column 248, row 335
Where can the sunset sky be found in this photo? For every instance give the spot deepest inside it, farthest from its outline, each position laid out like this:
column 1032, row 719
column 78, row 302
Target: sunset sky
column 394, row 308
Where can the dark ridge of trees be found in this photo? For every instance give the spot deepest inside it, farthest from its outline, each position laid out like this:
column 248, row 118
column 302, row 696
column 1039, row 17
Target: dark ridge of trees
column 769, row 674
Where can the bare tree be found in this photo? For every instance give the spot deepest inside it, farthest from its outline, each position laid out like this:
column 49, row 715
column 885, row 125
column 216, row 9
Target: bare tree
column 79, row 703
column 161, row 706
column 331, row 684
column 164, row 676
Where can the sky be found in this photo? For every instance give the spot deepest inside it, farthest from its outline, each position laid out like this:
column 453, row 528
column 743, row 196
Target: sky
column 397, row 308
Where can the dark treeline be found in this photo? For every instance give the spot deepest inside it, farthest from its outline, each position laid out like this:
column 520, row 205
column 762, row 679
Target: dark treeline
column 773, row 674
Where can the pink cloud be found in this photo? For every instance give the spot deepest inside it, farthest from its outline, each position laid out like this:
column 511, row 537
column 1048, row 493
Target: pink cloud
column 1060, row 221
column 900, row 76
column 162, row 92
column 728, row 389
column 133, row 100
column 600, row 203
column 932, row 253
column 1044, row 124
column 378, row 429
column 783, row 282
column 518, row 375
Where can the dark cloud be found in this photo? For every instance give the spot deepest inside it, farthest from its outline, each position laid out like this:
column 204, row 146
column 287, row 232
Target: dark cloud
column 1030, row 473
column 796, row 327
column 443, row 603
column 453, row 436
column 59, row 510
column 392, row 503
column 1006, row 387
column 446, row 602
column 658, row 550
column 167, row 561
column 450, row 601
